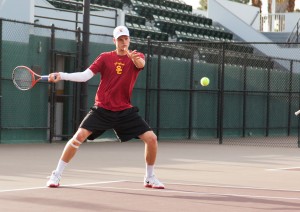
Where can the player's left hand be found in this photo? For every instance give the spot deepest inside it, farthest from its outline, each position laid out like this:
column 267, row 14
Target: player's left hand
column 136, row 59
column 133, row 55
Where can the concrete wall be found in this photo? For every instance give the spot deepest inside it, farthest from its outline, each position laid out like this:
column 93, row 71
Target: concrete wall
column 21, row 10
column 218, row 11
column 32, row 11
column 248, row 14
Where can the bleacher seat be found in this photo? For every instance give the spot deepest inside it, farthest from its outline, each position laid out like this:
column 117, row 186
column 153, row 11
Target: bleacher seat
column 109, row 3
column 141, row 31
column 177, row 5
column 128, row 2
column 66, row 5
column 142, row 10
column 133, row 17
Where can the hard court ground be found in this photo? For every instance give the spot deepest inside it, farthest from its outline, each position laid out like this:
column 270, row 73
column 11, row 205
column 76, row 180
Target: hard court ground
column 108, row 176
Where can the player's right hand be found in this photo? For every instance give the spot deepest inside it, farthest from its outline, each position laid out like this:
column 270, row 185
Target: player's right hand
column 54, row 77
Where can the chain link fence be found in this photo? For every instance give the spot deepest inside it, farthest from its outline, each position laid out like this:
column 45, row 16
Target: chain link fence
column 251, row 98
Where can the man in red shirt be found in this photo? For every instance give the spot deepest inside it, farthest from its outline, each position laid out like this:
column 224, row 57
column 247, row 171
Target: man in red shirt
column 112, row 109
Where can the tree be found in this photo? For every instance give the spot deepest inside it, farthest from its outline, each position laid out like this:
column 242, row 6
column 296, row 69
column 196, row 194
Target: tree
column 282, row 6
column 291, row 6
column 202, row 5
column 257, row 3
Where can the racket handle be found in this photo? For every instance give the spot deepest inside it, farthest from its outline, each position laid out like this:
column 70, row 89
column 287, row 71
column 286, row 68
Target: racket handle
column 44, row 77
column 297, row 112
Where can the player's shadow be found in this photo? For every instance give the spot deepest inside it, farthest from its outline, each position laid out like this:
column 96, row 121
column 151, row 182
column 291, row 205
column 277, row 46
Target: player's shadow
column 213, row 199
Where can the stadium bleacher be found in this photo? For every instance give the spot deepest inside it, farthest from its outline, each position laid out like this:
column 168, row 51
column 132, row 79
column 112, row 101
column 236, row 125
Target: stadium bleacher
column 161, row 20
column 175, row 18
column 168, row 20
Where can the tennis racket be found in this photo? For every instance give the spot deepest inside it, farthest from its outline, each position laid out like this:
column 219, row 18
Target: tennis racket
column 297, row 112
column 24, row 78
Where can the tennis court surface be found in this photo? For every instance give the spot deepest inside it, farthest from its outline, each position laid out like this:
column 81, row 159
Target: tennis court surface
column 109, row 177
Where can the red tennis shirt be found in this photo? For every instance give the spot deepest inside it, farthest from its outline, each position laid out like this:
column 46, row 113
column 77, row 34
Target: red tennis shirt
column 118, row 76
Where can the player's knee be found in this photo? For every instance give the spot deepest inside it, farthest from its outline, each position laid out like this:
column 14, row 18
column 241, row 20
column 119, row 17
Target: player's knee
column 153, row 138
column 74, row 142
column 150, row 138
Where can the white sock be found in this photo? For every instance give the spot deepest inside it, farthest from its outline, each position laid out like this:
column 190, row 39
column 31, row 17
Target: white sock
column 149, row 170
column 60, row 167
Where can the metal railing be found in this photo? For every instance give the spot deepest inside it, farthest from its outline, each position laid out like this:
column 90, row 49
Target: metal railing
column 294, row 36
column 272, row 23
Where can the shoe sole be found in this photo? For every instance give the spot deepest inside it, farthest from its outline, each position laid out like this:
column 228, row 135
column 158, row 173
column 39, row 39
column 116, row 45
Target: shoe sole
column 155, row 187
column 53, row 185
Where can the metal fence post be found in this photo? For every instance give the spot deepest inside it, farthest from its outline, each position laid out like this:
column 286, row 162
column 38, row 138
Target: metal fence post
column 244, row 96
column 191, row 94
column 76, row 103
column 158, row 90
column 1, row 24
column 85, row 57
column 221, row 94
column 268, row 101
column 147, row 98
column 52, row 89
column 290, row 98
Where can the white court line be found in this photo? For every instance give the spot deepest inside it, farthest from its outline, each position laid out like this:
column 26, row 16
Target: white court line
column 205, row 185
column 235, row 187
column 62, row 186
column 286, row 168
column 89, row 185
column 22, row 189
column 198, row 193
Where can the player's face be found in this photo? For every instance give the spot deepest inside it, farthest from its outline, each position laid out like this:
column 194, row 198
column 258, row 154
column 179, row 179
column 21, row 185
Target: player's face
column 122, row 43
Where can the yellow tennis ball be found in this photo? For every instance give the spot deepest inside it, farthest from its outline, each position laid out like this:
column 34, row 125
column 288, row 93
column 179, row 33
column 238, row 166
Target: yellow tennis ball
column 204, row 81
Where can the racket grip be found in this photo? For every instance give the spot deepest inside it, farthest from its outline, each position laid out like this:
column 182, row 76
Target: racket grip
column 44, row 77
column 297, row 112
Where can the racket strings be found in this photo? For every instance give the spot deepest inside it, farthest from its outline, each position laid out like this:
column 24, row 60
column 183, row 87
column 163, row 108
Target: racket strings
column 23, row 78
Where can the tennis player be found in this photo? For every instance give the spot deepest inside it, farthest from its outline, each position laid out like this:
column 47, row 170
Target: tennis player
column 119, row 70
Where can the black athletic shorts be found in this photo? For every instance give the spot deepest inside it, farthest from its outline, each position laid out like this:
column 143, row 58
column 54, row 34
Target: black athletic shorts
column 127, row 124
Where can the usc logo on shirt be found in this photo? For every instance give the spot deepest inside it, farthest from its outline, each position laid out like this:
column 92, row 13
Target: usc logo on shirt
column 119, row 67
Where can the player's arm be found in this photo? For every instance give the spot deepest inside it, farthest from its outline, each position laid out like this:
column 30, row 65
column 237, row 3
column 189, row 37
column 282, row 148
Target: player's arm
column 75, row 77
column 136, row 59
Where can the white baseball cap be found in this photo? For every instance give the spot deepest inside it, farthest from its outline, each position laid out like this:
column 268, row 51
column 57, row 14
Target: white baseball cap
column 119, row 31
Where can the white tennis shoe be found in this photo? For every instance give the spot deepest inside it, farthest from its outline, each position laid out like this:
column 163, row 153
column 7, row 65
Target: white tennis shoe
column 53, row 182
column 153, row 182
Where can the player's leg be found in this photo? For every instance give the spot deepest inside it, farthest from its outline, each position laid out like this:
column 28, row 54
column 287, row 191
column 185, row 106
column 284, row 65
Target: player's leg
column 68, row 153
column 74, row 143
column 132, row 125
column 151, row 146
column 93, row 125
column 150, row 141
